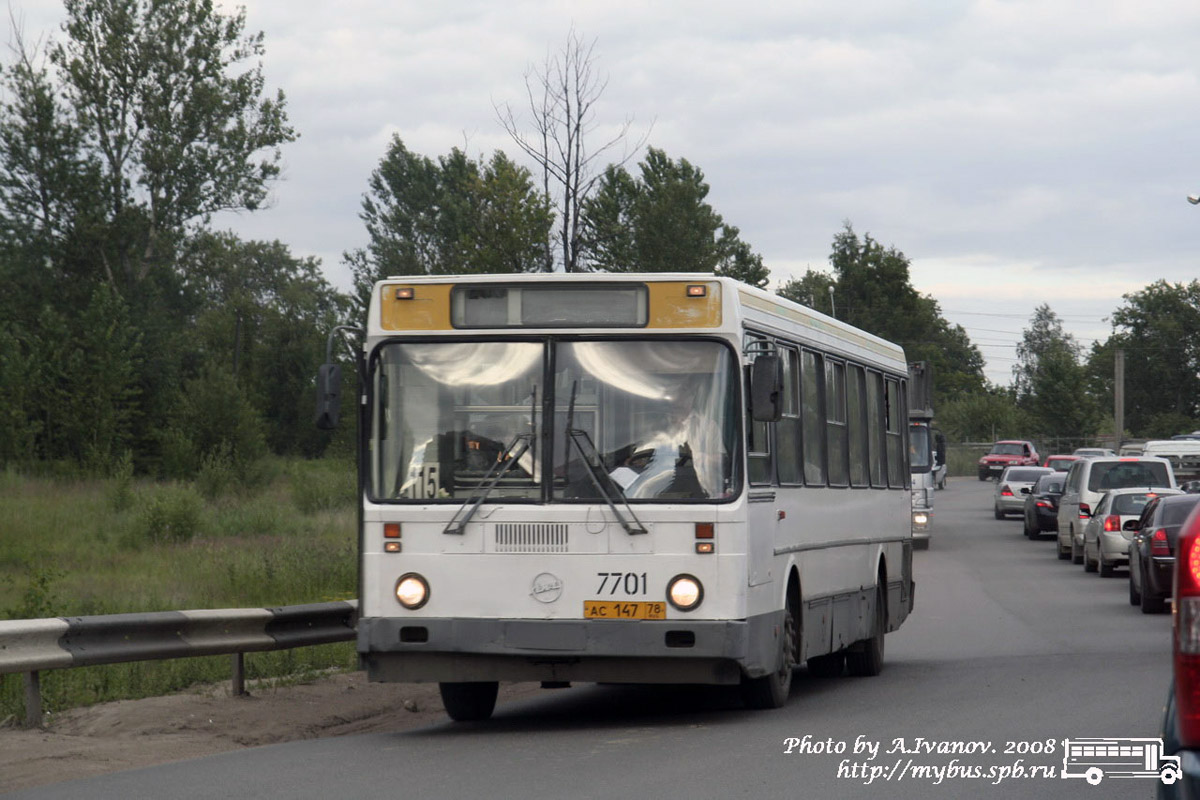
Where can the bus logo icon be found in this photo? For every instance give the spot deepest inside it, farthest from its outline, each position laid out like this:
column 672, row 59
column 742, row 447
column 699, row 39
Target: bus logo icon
column 1097, row 759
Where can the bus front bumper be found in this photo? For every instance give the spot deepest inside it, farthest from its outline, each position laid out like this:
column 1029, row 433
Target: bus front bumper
column 618, row 651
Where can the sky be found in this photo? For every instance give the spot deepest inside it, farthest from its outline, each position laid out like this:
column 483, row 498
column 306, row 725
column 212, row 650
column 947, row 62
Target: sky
column 1016, row 152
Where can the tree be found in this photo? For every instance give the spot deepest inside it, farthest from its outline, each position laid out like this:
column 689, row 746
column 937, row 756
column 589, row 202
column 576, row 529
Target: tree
column 873, row 291
column 1050, row 382
column 983, row 417
column 562, row 96
column 263, row 318
column 448, row 217
column 739, row 261
column 1159, row 330
column 662, row 222
column 174, row 134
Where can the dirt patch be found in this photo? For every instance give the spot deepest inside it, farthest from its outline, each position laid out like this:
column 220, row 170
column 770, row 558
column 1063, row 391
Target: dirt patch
column 128, row 734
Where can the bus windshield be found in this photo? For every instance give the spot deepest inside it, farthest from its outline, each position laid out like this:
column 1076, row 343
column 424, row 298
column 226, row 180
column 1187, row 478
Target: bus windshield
column 920, row 449
column 642, row 420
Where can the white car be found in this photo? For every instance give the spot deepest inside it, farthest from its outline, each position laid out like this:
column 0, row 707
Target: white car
column 1014, row 484
column 1105, row 537
column 1089, row 479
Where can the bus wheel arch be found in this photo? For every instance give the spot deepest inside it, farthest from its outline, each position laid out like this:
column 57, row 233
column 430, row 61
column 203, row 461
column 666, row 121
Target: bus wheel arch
column 772, row 690
column 865, row 657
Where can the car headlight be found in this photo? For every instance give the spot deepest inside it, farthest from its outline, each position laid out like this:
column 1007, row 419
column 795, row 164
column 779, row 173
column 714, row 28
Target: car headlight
column 412, row 591
column 685, row 592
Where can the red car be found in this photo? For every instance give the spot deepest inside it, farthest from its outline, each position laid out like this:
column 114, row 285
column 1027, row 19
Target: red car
column 1008, row 453
column 1060, row 463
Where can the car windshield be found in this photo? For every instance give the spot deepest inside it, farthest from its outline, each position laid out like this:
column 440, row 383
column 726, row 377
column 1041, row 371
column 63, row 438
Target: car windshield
column 1023, row 475
column 1176, row 512
column 1062, row 464
column 1127, row 475
column 642, row 420
column 1050, row 484
column 1130, row 503
column 1007, row 449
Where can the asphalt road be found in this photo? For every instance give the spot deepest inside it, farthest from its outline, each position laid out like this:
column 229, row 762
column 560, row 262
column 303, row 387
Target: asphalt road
column 1007, row 644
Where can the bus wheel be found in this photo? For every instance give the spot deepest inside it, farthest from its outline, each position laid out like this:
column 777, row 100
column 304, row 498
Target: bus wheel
column 1170, row 775
column 771, row 691
column 865, row 658
column 467, row 702
column 1094, row 776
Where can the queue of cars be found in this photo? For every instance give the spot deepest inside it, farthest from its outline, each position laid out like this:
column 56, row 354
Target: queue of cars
column 1110, row 511
column 1106, row 512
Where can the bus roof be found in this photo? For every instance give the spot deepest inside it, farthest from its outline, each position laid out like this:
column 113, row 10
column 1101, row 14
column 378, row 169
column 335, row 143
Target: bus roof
column 730, row 305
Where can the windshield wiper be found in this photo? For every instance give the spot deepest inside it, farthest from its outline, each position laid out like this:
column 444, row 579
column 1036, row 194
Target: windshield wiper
column 604, row 484
column 489, row 482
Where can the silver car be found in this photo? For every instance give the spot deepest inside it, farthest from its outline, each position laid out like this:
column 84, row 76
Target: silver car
column 1105, row 538
column 1014, row 484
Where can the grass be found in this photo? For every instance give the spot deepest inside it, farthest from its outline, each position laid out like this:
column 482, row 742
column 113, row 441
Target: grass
column 88, row 546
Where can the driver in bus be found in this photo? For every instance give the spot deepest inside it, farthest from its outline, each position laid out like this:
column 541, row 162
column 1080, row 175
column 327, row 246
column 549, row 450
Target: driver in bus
column 683, row 458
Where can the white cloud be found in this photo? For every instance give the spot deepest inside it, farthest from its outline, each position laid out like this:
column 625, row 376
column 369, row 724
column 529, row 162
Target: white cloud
column 1017, row 151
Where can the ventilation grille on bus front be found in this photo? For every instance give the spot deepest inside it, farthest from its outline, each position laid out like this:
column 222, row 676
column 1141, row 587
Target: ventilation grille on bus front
column 513, row 537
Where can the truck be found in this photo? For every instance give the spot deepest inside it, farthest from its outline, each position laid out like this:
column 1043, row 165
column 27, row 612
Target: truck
column 926, row 451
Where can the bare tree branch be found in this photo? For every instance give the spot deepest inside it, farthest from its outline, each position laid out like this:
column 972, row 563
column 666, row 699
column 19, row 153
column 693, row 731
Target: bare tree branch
column 562, row 95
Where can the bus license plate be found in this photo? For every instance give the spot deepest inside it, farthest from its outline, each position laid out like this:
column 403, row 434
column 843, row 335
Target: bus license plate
column 610, row 609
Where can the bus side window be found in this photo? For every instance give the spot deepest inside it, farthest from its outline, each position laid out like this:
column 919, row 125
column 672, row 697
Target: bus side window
column 787, row 429
column 758, row 441
column 876, row 425
column 812, row 411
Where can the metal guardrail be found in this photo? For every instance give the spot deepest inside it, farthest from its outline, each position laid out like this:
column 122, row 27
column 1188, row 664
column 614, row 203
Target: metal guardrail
column 31, row 645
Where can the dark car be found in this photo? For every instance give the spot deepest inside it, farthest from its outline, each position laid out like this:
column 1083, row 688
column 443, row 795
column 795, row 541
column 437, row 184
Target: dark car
column 1041, row 504
column 1152, row 552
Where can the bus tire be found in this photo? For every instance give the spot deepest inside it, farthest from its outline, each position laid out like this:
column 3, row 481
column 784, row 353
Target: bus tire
column 772, row 690
column 1094, row 776
column 865, row 658
column 469, row 702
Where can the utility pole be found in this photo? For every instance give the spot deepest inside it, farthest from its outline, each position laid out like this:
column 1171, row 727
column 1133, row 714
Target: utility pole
column 1119, row 397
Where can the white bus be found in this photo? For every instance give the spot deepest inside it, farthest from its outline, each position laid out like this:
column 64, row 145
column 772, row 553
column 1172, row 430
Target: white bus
column 665, row 478
column 1097, row 759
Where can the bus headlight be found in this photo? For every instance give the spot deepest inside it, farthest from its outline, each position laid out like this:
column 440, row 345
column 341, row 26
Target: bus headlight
column 412, row 591
column 920, row 520
column 685, row 592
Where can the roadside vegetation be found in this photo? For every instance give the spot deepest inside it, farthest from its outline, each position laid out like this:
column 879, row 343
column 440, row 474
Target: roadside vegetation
column 75, row 545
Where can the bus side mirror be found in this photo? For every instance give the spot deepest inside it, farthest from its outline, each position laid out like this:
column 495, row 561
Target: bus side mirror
column 329, row 396
column 766, row 388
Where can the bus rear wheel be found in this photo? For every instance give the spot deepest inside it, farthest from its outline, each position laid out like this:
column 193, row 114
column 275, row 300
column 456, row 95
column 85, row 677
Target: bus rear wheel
column 469, row 702
column 772, row 690
column 865, row 658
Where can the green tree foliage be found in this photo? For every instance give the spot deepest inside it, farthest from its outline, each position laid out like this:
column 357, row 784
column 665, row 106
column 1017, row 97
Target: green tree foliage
column 1050, row 381
column 1159, row 330
column 872, row 290
column 124, row 325
column 174, row 124
column 71, row 383
column 983, row 417
column 662, row 222
column 264, row 316
column 449, row 217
